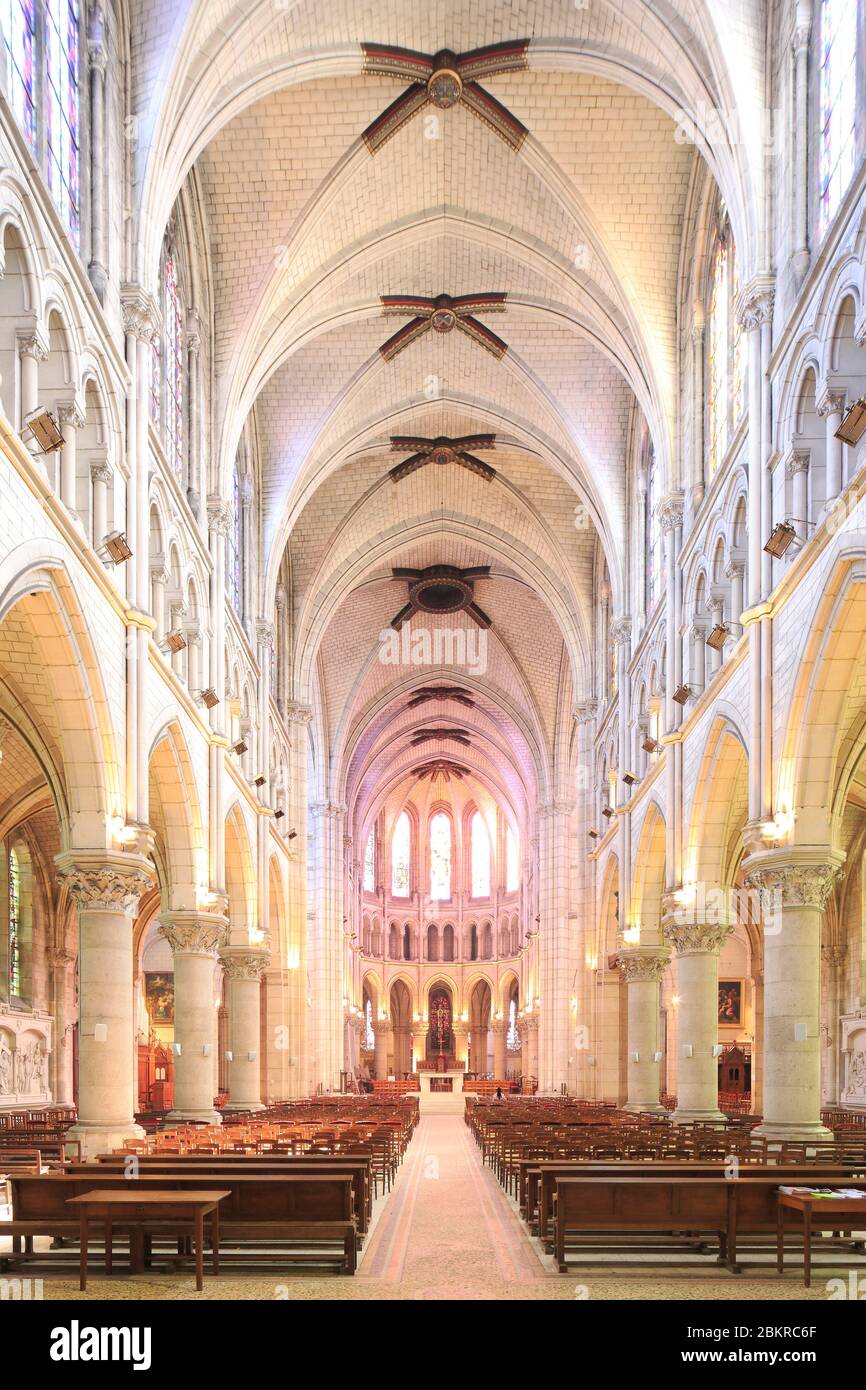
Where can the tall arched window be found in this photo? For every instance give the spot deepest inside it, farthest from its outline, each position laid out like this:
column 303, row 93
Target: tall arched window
column 838, row 132
column 18, row 18
column 480, row 857
column 370, row 863
column 400, row 848
column 172, row 361
column 62, row 110
column 234, row 545
column 512, row 1039
column 652, row 538
column 512, row 861
column 369, row 1035
column 725, row 380
column 14, row 956
column 440, row 856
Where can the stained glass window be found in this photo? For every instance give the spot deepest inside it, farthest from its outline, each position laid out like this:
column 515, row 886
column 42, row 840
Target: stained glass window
column 480, row 857
column 440, row 856
column 653, row 532
column 512, row 861
column 62, row 109
column 717, row 403
column 234, row 547
column 173, row 338
column 18, row 18
column 512, row 1040
column 369, row 1035
column 838, row 47
column 738, row 392
column 14, row 924
column 370, row 864
column 400, row 846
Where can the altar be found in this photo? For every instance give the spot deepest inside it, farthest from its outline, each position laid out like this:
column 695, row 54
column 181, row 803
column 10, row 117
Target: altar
column 435, row 1083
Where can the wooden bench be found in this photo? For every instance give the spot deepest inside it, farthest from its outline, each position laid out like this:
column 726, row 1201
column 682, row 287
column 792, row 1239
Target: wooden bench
column 221, row 1164
column 694, row 1205
column 302, row 1210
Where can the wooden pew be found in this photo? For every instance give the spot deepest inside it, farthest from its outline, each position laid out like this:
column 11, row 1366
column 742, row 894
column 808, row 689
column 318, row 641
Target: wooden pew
column 154, row 1165
column 300, row 1209
column 599, row 1206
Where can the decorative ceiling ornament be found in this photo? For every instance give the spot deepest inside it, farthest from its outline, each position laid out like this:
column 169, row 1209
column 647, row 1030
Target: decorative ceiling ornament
column 441, row 692
column 442, row 314
column 441, row 451
column 441, row 589
column 444, row 80
column 455, row 735
column 441, row 767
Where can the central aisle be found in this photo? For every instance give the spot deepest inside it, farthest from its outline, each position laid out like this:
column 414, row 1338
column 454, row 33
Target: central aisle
column 447, row 1230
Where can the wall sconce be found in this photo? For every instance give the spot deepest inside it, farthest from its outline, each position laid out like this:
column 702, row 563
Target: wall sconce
column 259, row 781
column 239, row 747
column 675, row 1000
column 175, row 640
column 629, row 778
column 650, row 744
column 230, row 1056
column 594, row 834
column 590, row 1061
column 607, row 812
column 781, row 537
column 853, row 423
column 279, row 813
column 718, row 637
column 209, row 698
column 117, row 546
column 100, row 1032
column 251, row 1056
column 682, row 694
column 688, row 1050
column 718, row 1049
column 42, row 426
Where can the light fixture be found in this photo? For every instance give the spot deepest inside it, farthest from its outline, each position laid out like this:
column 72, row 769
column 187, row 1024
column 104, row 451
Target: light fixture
column 100, row 1032
column 718, row 637
column 629, row 778
column 650, row 744
column 782, row 536
column 210, row 698
column 853, row 423
column 230, row 1056
column 117, row 546
column 43, row 427
column 239, row 747
column 292, row 835
column 279, row 813
column 682, row 694
column 175, row 640
column 607, row 812
column 259, row 781
column 594, row 834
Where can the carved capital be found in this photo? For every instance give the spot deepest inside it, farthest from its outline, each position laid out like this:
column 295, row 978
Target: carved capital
column 140, row 311
column 642, row 964
column 105, row 887
column 381, row 1027
column 834, row 954
column 193, row 934
column 297, row 713
column 696, row 938
column 193, row 332
column 32, row 345
column 100, row 472
column 755, row 304
column 585, row 711
column 620, row 631
column 265, row 634
column 328, row 810
column 219, row 515
column 241, row 963
column 555, row 807
column 831, row 402
column 670, row 513
column 70, row 413
column 793, row 884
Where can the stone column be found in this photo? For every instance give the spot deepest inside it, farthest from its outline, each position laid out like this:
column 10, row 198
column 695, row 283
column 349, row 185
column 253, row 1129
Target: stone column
column 531, row 1045
column 159, row 577
column 193, row 348
column 98, row 62
column 697, row 946
column 831, row 408
column 64, row 1021
column 402, row 1051
column 100, row 477
column 671, row 520
column 797, row 469
column 194, row 939
column 834, row 955
column 460, row 1031
column 800, row 203
column 499, row 1028
column 478, row 1049
column 105, row 889
column 642, row 968
column 31, row 350
column 381, row 1033
column 325, row 960
column 795, row 887
column 71, row 421
column 734, row 571
column 245, row 967
column 698, row 672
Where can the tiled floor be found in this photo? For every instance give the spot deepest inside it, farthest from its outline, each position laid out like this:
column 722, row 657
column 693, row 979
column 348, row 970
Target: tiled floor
column 447, row 1231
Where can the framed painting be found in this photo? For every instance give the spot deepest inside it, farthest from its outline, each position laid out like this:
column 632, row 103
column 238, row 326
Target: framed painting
column 730, row 1003
column 159, row 996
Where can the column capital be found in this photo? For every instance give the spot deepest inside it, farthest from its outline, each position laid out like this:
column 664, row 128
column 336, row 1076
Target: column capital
column 104, row 883
column 585, row 711
column 642, row 963
column 786, row 879
column 620, row 631
column 265, row 634
column 297, row 713
column 530, row 1023
column 735, row 569
column 381, row 1027
column 100, row 472
column 754, row 305
column 798, row 461
column 499, row 1027
column 219, row 514
column 244, row 962
column 557, row 806
column 193, row 331
column 328, row 810
column 31, row 343
column 70, row 413
column 62, row 957
column 696, row 938
column 834, row 953
column 831, row 401
column 670, row 512
column 193, row 933
column 140, row 312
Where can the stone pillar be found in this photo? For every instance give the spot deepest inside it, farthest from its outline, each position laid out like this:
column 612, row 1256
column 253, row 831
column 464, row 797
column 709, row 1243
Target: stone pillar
column 478, row 1049
column 245, row 967
column 105, row 889
column 381, row 1033
column 642, row 968
column 797, row 469
column 71, row 421
column 698, row 672
column 671, row 520
column 325, row 965
column 531, row 1046
column 31, row 350
column 834, row 956
column 831, row 407
column 795, row 887
column 98, row 61
column 499, row 1028
column 194, row 939
column 193, row 660
column 193, row 349
column 159, row 577
column 697, row 946
column 63, row 1008
column 461, row 1041
column 100, row 477
column 734, row 571
column 800, row 203
column 402, row 1051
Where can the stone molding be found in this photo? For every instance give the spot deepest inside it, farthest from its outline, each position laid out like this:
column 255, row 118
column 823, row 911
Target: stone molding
column 219, row 515
column 140, row 312
column 242, row 963
column 643, row 964
column 696, row 938
column 192, row 934
column 105, row 885
column 793, row 883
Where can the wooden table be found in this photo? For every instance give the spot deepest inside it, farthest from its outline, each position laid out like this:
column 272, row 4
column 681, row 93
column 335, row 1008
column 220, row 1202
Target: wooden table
column 143, row 1208
column 832, row 1213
